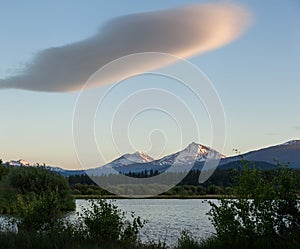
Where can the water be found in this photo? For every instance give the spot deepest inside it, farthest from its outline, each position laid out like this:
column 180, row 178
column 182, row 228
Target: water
column 166, row 217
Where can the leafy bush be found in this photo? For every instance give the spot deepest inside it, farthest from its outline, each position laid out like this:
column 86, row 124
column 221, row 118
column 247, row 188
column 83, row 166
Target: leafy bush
column 25, row 187
column 106, row 222
column 40, row 213
column 261, row 207
column 38, row 181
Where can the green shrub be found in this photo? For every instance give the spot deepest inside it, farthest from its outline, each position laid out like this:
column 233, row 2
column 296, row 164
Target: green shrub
column 39, row 213
column 23, row 185
column 104, row 221
column 38, row 181
column 260, row 208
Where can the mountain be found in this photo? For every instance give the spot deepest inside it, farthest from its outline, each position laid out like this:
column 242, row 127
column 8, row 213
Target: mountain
column 192, row 153
column 122, row 164
column 288, row 152
column 139, row 161
column 238, row 164
column 65, row 172
column 128, row 159
column 194, row 156
column 18, row 163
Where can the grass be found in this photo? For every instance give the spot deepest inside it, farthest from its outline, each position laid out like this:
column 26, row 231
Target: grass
column 66, row 240
column 257, row 243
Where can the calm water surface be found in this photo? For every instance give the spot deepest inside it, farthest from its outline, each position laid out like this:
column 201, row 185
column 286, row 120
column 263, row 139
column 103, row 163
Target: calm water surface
column 166, row 218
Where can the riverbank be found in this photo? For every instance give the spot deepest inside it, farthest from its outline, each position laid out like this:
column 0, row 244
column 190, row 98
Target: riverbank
column 86, row 197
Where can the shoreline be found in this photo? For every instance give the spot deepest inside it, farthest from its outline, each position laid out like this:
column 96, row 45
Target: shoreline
column 84, row 197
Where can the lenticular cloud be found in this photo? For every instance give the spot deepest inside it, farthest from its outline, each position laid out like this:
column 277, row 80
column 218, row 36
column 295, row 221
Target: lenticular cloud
column 183, row 32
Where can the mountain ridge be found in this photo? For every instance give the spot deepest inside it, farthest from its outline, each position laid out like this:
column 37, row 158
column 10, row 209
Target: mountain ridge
column 193, row 155
column 284, row 153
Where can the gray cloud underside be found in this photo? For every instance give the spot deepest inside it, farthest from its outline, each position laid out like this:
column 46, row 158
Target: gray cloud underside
column 182, row 32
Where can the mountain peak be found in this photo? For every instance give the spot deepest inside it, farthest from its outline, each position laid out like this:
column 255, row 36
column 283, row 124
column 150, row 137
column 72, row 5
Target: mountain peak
column 194, row 144
column 197, row 145
column 139, row 157
column 127, row 159
column 198, row 152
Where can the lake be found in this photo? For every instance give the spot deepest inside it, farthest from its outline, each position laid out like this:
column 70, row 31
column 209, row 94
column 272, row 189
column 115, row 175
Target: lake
column 166, row 217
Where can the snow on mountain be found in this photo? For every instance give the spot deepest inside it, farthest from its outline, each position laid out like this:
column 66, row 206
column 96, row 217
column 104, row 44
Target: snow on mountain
column 127, row 159
column 123, row 162
column 192, row 153
column 198, row 152
column 139, row 161
column 19, row 163
column 55, row 169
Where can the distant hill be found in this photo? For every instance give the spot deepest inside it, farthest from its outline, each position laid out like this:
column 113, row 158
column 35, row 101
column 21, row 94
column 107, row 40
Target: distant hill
column 288, row 152
column 251, row 164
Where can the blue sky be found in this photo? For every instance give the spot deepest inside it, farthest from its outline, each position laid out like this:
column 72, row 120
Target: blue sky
column 256, row 76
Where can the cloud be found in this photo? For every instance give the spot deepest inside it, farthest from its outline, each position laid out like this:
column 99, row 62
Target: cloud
column 297, row 127
column 183, row 32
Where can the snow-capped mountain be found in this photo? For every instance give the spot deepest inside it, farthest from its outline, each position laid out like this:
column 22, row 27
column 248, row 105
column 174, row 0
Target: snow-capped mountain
column 122, row 164
column 192, row 153
column 139, row 161
column 19, row 163
column 127, row 159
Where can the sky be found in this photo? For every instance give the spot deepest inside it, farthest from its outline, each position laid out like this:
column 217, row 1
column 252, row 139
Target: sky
column 254, row 71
